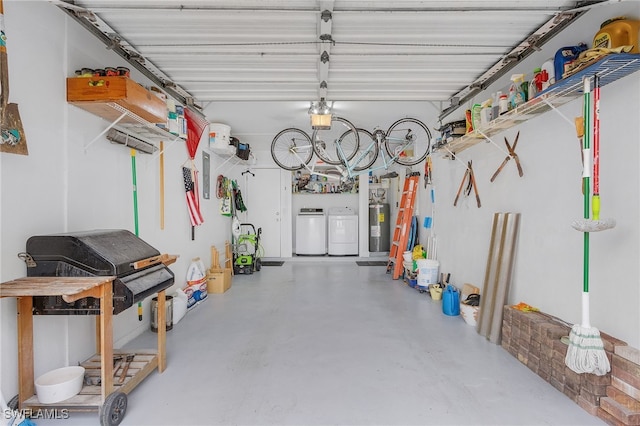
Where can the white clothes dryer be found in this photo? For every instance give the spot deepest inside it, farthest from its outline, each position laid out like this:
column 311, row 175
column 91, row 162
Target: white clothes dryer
column 342, row 232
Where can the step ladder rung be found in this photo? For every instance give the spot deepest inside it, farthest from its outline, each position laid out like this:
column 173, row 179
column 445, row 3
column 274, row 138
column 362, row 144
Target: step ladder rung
column 403, row 223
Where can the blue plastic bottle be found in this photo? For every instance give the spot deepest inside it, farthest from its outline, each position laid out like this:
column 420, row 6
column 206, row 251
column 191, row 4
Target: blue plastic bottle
column 564, row 56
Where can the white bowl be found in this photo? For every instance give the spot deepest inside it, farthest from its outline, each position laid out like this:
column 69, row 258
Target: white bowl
column 60, row 384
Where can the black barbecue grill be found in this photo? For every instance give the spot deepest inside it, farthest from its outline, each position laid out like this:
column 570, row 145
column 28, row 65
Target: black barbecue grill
column 95, row 253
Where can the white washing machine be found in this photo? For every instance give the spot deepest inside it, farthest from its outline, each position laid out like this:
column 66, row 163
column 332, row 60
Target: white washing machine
column 343, row 231
column 311, row 232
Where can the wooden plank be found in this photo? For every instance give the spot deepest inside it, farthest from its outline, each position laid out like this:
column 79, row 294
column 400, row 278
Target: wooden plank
column 71, row 287
column 135, row 380
column 162, row 331
column 486, row 300
column 80, row 402
column 505, row 265
column 106, row 340
column 165, row 259
column 26, row 387
column 497, row 261
column 161, row 159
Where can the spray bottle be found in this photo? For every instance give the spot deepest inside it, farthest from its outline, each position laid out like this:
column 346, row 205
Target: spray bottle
column 517, row 96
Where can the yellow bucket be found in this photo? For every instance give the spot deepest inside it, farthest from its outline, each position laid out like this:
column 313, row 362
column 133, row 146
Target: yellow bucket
column 436, row 292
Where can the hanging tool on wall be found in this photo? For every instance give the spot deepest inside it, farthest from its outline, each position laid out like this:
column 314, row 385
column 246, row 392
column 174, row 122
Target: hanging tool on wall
column 13, row 139
column 161, row 158
column 134, row 181
column 428, row 171
column 470, row 180
column 512, row 154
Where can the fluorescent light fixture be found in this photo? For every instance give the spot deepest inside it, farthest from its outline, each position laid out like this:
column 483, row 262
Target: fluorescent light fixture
column 131, row 141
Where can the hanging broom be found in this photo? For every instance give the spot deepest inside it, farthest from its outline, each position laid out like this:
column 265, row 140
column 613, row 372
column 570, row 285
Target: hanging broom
column 585, row 353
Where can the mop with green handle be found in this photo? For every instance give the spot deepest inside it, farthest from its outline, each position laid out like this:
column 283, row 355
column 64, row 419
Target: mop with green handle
column 585, row 353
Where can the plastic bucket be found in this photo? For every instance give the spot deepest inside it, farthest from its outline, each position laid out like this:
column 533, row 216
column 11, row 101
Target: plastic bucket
column 435, row 292
column 168, row 313
column 428, row 271
column 219, row 137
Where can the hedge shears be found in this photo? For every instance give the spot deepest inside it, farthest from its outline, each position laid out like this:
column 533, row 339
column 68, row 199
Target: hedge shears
column 512, row 154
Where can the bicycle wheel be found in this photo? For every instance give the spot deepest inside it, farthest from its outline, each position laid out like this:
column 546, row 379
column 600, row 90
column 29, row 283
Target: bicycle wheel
column 291, row 149
column 367, row 152
column 408, row 141
column 330, row 147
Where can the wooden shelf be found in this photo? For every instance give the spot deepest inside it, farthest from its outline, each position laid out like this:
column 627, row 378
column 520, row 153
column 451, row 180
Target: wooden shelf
column 129, row 107
column 609, row 69
column 94, row 94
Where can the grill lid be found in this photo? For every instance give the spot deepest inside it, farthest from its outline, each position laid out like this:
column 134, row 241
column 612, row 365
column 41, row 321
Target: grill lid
column 101, row 252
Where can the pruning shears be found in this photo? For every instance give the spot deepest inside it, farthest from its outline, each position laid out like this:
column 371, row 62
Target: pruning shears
column 471, row 185
column 512, row 154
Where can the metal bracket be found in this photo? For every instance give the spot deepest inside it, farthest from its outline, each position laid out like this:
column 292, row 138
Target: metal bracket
column 327, row 37
column 115, row 40
column 26, row 257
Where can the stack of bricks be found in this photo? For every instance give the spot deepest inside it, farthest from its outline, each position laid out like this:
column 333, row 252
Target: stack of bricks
column 534, row 338
column 621, row 406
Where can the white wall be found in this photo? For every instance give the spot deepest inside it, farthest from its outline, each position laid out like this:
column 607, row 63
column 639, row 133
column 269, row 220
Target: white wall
column 62, row 187
column 548, row 264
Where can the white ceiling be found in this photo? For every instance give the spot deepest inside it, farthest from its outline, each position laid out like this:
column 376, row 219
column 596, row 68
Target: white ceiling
column 271, row 50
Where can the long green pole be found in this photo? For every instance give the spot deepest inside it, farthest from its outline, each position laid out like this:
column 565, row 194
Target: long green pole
column 585, row 178
column 135, row 191
column 135, row 209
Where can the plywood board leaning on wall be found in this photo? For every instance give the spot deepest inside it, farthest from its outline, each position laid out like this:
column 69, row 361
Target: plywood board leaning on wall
column 497, row 278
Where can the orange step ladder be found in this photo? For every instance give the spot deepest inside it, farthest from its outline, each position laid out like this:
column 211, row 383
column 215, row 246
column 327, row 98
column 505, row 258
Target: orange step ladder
column 403, row 224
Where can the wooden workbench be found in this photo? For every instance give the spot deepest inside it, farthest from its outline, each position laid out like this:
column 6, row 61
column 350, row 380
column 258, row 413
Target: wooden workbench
column 72, row 289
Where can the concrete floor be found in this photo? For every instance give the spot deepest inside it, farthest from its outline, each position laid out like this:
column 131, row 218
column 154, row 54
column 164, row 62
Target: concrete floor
column 332, row 343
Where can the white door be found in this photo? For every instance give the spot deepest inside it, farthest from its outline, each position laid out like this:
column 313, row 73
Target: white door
column 264, row 207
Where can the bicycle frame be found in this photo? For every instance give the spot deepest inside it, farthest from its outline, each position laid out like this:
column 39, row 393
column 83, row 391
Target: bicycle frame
column 312, row 169
column 387, row 160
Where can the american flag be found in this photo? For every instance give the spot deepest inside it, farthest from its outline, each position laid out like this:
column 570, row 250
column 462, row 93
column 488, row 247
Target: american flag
column 193, row 200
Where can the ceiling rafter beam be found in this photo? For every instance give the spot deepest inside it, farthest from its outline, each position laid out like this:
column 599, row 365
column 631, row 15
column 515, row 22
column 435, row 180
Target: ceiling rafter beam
column 325, row 22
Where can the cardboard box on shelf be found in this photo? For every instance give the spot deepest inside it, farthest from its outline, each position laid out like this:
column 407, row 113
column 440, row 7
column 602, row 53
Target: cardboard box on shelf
column 218, row 280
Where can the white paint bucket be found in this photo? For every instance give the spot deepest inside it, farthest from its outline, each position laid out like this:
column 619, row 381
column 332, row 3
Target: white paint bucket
column 219, row 136
column 428, row 271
